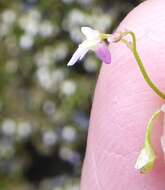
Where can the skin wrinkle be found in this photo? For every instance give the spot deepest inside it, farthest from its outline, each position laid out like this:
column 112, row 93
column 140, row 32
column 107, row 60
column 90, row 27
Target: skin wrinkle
column 123, row 118
column 114, row 145
column 114, row 132
column 120, row 128
column 129, row 106
column 116, row 148
column 106, row 153
column 100, row 187
column 93, row 174
column 104, row 157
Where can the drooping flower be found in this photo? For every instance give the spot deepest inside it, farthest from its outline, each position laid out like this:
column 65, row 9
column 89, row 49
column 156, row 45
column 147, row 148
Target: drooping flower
column 94, row 41
column 146, row 158
column 163, row 135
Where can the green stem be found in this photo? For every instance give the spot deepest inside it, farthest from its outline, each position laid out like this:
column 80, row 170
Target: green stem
column 149, row 126
column 141, row 66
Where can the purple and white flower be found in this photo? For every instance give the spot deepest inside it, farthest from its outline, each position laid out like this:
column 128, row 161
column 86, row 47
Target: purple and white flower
column 94, row 41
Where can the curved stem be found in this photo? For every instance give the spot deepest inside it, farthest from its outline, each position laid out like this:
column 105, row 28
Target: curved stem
column 150, row 125
column 141, row 66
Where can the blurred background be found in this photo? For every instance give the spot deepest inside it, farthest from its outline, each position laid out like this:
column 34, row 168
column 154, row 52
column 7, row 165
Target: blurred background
column 45, row 105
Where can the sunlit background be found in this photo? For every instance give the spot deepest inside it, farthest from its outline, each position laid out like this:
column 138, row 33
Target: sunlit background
column 44, row 105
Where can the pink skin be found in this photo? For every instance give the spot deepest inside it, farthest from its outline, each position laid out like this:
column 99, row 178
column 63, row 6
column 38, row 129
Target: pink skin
column 123, row 103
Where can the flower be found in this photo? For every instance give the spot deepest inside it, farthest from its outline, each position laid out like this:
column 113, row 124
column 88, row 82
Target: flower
column 163, row 135
column 146, row 159
column 95, row 41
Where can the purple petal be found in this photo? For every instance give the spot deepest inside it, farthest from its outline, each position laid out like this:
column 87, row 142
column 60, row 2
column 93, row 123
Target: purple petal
column 103, row 53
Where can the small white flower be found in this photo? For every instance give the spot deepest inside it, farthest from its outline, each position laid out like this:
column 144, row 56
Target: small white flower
column 163, row 135
column 93, row 39
column 146, row 159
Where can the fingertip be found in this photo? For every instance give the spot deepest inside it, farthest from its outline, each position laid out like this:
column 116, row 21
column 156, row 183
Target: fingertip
column 123, row 104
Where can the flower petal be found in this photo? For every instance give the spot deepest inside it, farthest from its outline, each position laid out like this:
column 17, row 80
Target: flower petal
column 90, row 33
column 79, row 54
column 83, row 54
column 146, row 159
column 103, row 53
column 163, row 135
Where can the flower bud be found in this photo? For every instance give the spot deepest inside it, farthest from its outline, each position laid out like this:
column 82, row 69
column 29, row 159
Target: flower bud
column 146, row 159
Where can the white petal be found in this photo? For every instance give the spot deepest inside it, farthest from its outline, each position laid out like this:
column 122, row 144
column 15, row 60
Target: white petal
column 90, row 44
column 83, row 54
column 79, row 54
column 90, row 33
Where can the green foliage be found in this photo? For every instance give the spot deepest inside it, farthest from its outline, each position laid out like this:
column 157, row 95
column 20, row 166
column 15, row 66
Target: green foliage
column 44, row 105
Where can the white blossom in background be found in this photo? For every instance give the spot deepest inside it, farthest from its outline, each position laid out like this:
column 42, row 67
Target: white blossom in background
column 46, row 29
column 44, row 77
column 49, row 138
column 30, row 22
column 75, row 35
column 66, row 153
column 60, row 51
column 70, row 155
column 50, row 79
column 77, row 18
column 34, row 14
column 101, row 21
column 58, row 76
column 8, row 127
column 8, row 16
column 50, row 55
column 26, row 41
column 49, row 108
column 69, row 133
column 72, row 22
column 45, row 57
column 24, row 129
column 68, row 87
